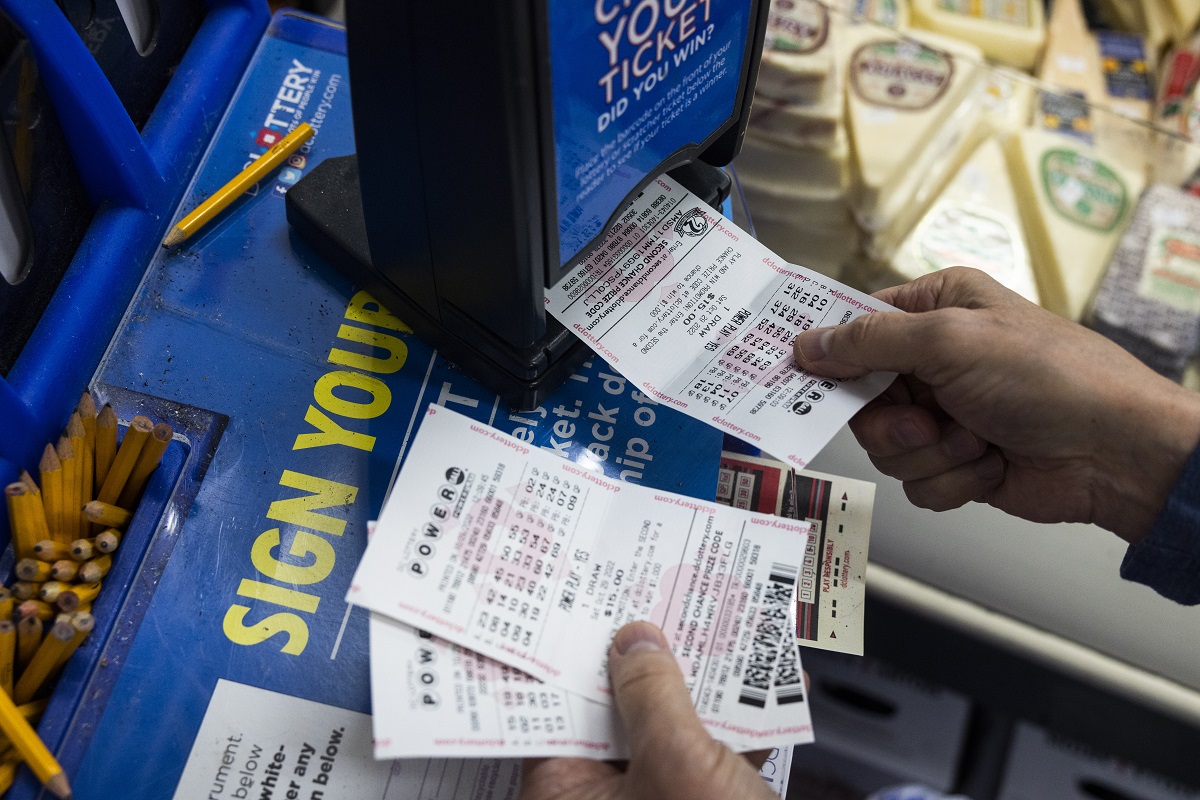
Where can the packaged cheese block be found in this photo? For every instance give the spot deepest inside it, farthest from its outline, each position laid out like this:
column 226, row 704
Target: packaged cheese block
column 801, row 170
column 800, row 124
column 1125, row 15
column 1008, row 31
column 1149, row 299
column 1074, row 207
column 1122, row 130
column 1071, row 64
column 1007, row 101
column 1186, row 14
column 1160, row 26
column 1175, row 159
column 824, row 252
column 900, row 93
column 892, row 14
column 798, row 52
column 975, row 222
column 1071, row 60
column 907, row 200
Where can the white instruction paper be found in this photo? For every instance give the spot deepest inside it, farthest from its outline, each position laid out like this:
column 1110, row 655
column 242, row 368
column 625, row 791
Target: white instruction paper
column 535, row 562
column 702, row 316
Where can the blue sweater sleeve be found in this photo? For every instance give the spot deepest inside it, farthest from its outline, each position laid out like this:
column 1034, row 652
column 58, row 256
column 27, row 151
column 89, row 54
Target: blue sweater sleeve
column 1168, row 559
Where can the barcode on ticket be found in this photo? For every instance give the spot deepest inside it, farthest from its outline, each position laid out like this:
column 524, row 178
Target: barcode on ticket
column 769, row 631
column 789, row 679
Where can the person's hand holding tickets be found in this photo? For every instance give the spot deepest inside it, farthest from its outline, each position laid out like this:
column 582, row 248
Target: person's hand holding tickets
column 673, row 757
column 1003, row 402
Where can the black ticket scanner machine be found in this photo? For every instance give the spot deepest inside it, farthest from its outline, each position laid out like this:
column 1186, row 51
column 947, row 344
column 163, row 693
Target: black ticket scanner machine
column 497, row 140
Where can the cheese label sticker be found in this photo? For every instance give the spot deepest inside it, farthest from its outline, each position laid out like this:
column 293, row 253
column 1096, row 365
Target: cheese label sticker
column 1012, row 12
column 900, row 74
column 1171, row 270
column 797, row 26
column 885, row 12
column 1083, row 190
column 954, row 235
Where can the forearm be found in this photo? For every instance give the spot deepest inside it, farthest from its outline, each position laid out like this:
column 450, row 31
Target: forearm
column 1155, row 429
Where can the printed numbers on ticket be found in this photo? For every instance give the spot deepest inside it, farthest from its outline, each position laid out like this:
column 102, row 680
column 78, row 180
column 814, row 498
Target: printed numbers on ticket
column 535, row 562
column 702, row 317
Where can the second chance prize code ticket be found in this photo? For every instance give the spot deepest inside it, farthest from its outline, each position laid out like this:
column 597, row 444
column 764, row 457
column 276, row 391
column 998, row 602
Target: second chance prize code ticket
column 535, row 562
column 701, row 316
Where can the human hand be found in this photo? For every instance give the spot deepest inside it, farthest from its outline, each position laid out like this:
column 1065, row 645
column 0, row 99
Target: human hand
column 1003, row 402
column 672, row 756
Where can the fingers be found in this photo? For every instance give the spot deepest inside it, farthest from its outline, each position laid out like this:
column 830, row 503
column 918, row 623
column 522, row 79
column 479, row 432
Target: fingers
column 886, row 429
column 886, row 341
column 953, row 447
column 937, row 332
column 653, row 701
column 959, row 486
column 556, row 778
column 664, row 731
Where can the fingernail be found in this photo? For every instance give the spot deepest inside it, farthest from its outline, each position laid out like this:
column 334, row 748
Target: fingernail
column 814, row 345
column 961, row 444
column 990, row 466
column 638, row 637
column 909, row 435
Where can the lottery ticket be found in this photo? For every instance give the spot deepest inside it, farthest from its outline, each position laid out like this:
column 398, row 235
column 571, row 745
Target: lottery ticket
column 535, row 562
column 831, row 591
column 702, row 317
column 434, row 699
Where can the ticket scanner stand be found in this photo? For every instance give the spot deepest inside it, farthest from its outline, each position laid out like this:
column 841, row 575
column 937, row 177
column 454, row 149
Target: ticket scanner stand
column 496, row 143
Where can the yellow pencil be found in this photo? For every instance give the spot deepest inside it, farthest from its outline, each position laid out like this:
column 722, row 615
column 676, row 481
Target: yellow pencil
column 251, row 175
column 78, row 438
column 87, row 415
column 64, row 570
column 48, row 593
column 50, row 550
column 8, row 651
column 108, row 541
column 8, row 770
column 21, row 517
column 80, row 550
column 148, row 460
column 82, row 622
column 107, row 515
column 29, row 638
column 32, row 570
column 7, row 603
column 47, row 657
column 127, row 455
column 77, row 597
column 94, row 570
column 25, row 590
column 70, row 490
column 51, row 473
column 106, row 445
column 25, row 739
column 40, row 609
column 38, row 506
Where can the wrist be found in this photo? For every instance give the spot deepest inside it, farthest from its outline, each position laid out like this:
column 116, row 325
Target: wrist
column 1155, row 431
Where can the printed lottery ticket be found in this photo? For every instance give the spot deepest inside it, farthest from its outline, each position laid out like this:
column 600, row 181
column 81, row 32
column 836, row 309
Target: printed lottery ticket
column 432, row 698
column 702, row 316
column 535, row 562
column 831, row 591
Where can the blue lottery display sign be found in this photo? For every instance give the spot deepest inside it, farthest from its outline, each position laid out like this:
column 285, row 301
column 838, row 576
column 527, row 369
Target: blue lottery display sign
column 633, row 81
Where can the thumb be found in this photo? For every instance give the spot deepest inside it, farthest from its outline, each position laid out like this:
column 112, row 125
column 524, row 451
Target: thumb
column 650, row 694
column 664, row 731
column 885, row 341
